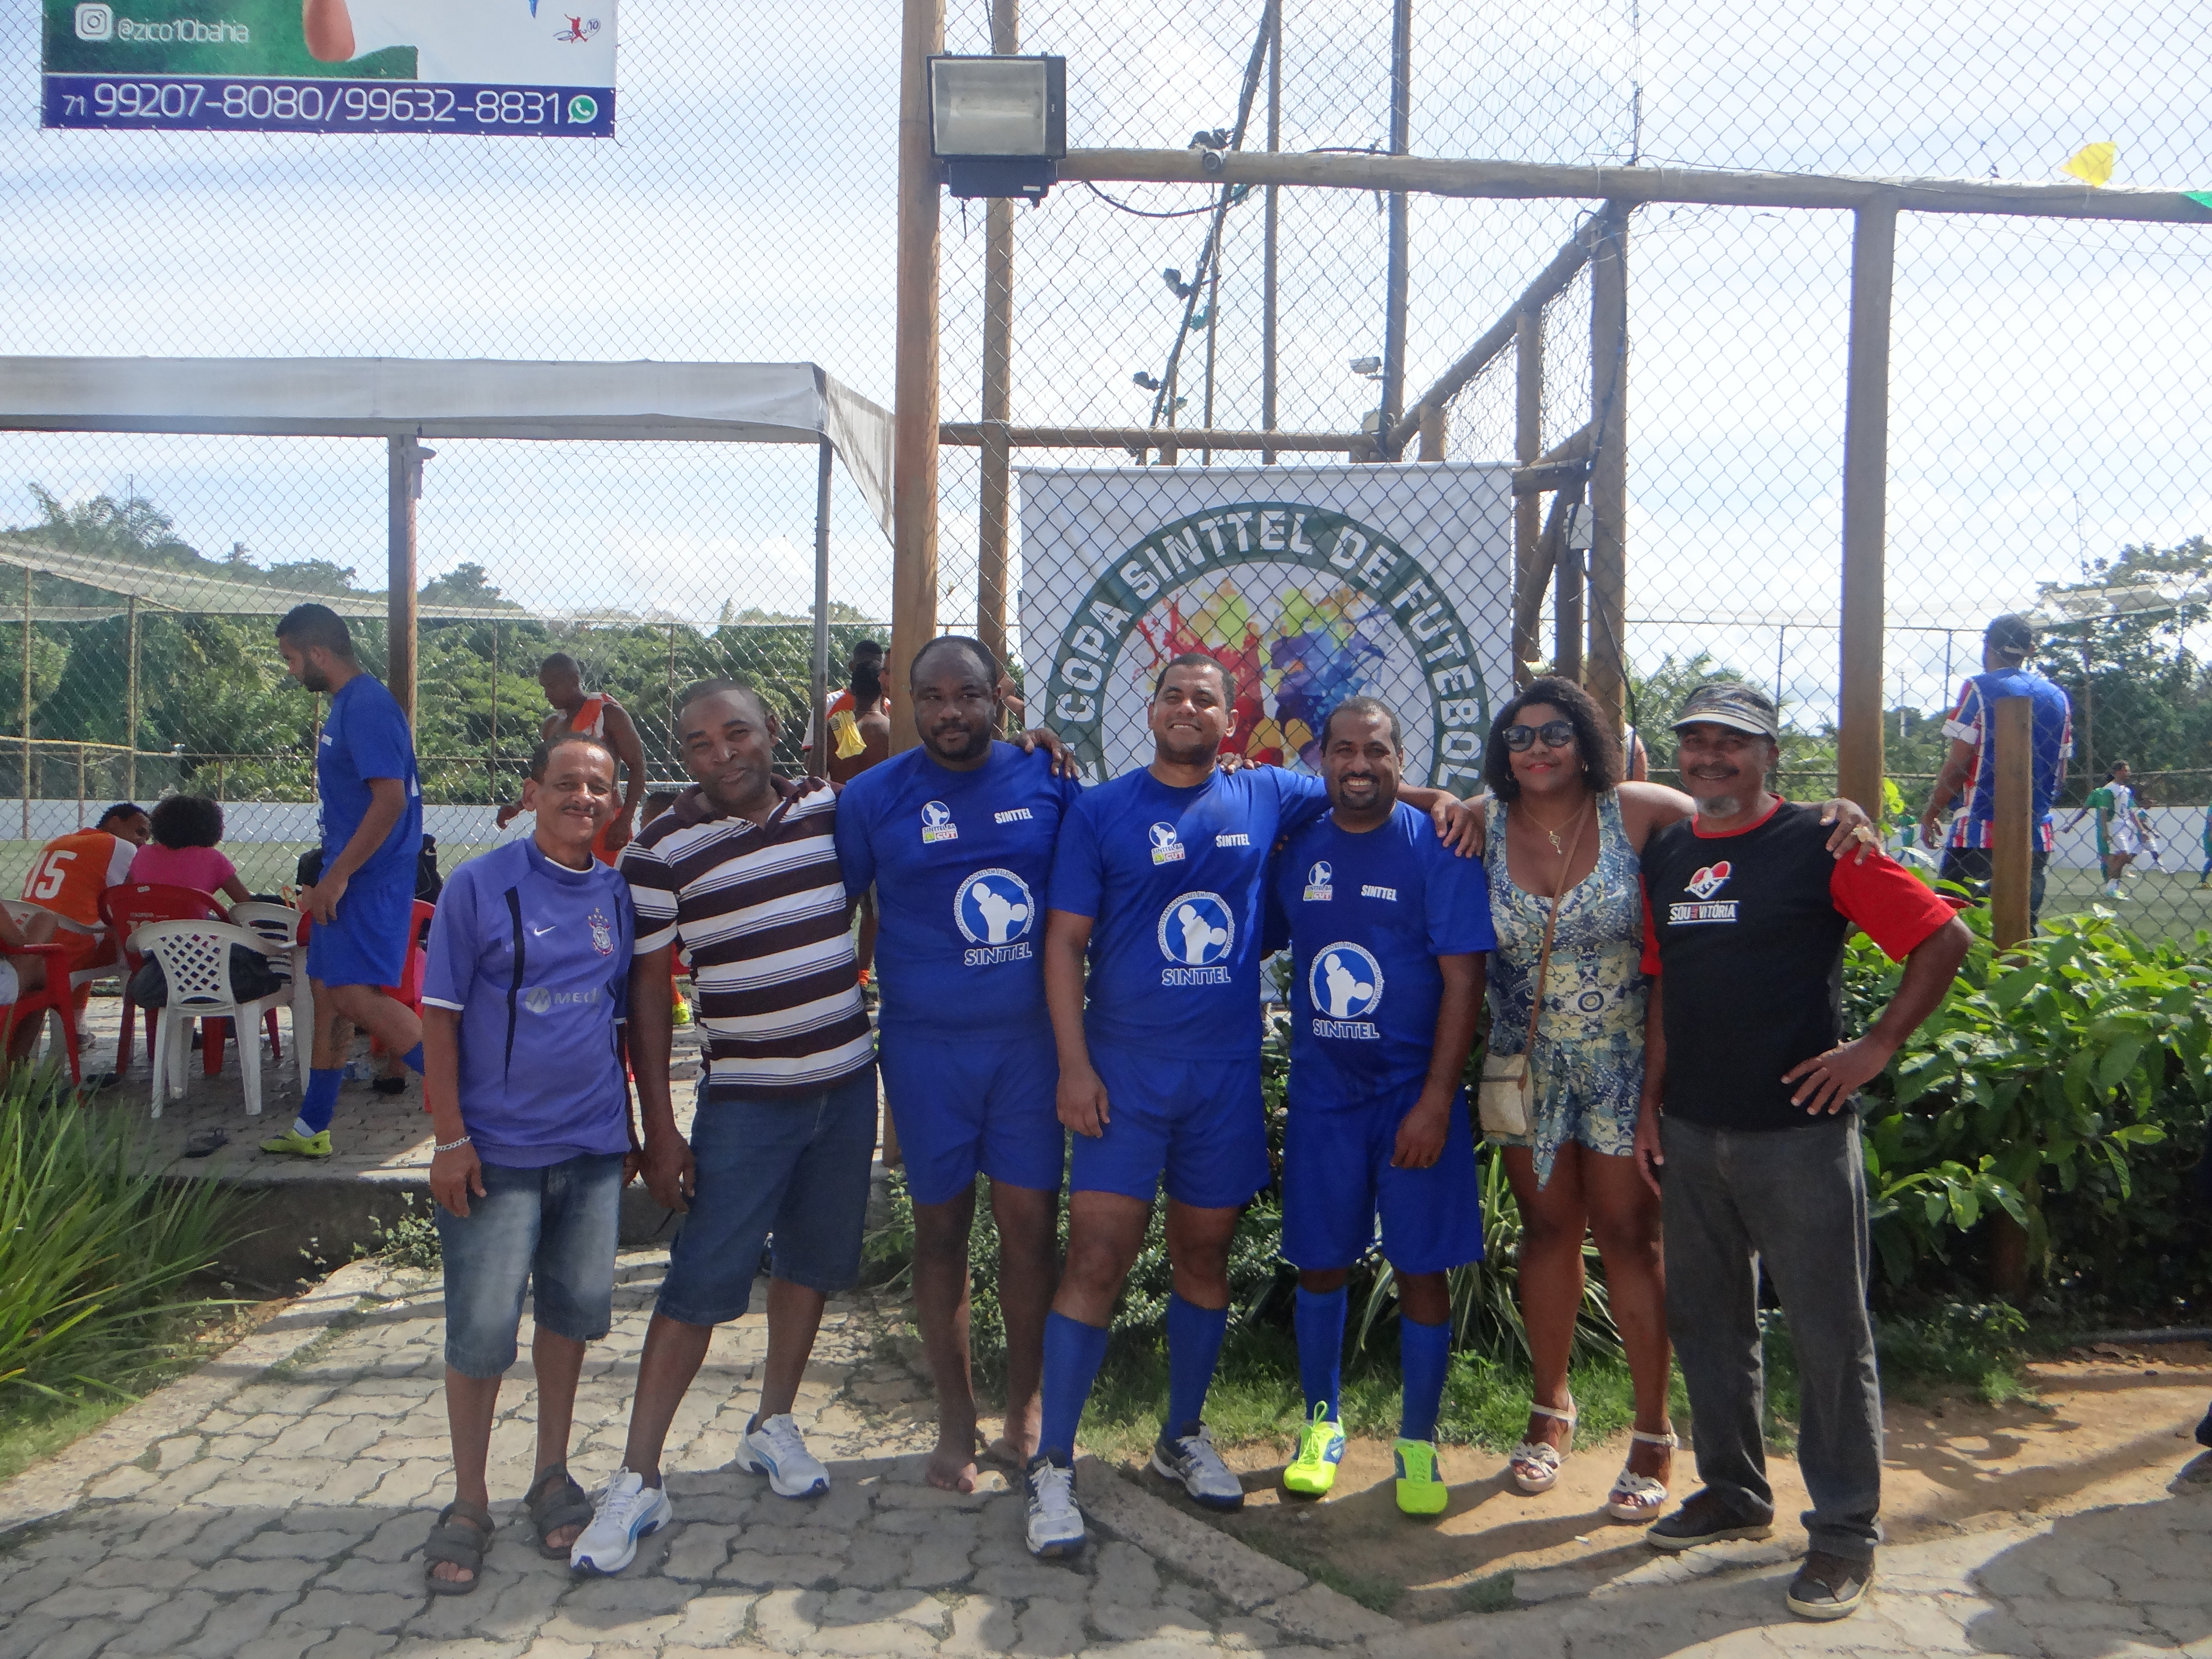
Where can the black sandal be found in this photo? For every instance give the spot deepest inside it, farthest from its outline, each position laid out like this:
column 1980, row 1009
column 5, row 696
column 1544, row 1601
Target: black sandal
column 555, row 1506
column 460, row 1543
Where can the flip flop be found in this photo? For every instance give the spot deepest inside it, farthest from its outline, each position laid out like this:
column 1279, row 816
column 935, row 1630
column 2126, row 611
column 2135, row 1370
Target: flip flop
column 206, row 1141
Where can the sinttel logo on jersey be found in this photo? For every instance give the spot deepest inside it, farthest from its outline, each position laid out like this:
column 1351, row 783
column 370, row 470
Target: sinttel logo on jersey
column 1346, row 985
column 994, row 911
column 1196, row 933
column 1318, row 880
column 936, row 822
column 1167, row 846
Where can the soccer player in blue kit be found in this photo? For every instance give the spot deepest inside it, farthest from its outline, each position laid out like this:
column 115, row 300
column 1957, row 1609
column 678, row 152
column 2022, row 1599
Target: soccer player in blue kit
column 1385, row 928
column 1157, row 879
column 956, row 837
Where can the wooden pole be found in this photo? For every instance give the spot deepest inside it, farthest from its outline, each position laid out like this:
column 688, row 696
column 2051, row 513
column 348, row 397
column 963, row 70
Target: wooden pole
column 1272, row 228
column 404, row 456
column 1567, row 594
column 1528, row 440
column 1433, row 434
column 1397, row 278
column 1866, row 473
column 915, row 400
column 493, row 765
column 995, row 510
column 818, row 681
column 1604, row 676
column 27, row 703
column 130, row 701
column 1423, row 175
column 2012, row 832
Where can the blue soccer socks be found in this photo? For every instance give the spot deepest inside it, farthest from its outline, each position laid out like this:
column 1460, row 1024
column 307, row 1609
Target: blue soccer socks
column 1321, row 1349
column 320, row 1102
column 412, row 1059
column 1194, row 1336
column 1072, row 1354
column 1425, row 1355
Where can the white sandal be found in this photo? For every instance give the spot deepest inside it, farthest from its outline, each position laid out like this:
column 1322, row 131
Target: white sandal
column 1638, row 1496
column 1535, row 1465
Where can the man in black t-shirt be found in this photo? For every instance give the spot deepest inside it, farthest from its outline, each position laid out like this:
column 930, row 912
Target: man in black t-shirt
column 1748, row 1107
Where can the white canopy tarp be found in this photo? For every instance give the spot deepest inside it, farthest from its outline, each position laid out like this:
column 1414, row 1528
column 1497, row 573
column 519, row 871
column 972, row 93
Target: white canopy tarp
column 455, row 397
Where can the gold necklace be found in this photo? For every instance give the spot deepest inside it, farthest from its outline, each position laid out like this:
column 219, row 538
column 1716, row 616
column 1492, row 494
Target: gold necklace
column 1558, row 846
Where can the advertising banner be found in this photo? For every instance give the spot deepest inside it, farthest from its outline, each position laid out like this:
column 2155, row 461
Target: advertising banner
column 541, row 67
column 1309, row 584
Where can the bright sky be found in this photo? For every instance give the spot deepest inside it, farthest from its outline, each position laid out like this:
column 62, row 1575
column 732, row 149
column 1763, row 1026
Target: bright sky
column 746, row 211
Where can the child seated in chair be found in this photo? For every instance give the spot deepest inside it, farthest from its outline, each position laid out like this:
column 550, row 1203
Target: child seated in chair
column 185, row 850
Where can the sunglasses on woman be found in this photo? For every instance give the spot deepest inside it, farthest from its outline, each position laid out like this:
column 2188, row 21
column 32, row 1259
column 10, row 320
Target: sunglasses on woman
column 1552, row 734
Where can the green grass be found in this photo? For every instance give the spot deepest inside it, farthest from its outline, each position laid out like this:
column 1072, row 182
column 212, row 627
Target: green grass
column 1491, row 1594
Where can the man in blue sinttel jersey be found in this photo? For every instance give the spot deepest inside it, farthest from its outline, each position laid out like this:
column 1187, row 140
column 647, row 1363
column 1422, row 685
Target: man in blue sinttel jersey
column 1385, row 928
column 1159, row 880
column 957, row 837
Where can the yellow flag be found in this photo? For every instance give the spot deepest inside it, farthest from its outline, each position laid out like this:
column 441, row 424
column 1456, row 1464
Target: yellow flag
column 2092, row 163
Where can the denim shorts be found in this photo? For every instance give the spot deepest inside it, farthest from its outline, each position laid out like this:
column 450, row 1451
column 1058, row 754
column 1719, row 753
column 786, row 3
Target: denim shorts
column 795, row 1168
column 550, row 1231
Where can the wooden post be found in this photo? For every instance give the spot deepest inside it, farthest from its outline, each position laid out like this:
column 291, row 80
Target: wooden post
column 1567, row 595
column 404, row 456
column 1433, row 434
column 26, row 704
column 2013, row 832
column 2012, row 873
column 80, row 786
column 130, row 701
column 996, row 507
column 1271, row 230
column 1527, row 443
column 1395, row 284
column 818, row 680
column 1606, row 672
column 915, row 399
column 492, row 766
column 1865, row 473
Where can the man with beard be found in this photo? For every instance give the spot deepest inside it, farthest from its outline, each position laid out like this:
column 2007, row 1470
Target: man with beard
column 1158, row 881
column 1386, row 929
column 957, row 838
column 1748, row 1106
column 594, row 715
column 363, row 902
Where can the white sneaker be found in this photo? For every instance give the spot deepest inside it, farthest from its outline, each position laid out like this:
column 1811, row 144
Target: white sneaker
column 775, row 1449
column 1056, row 1525
column 625, row 1510
column 1191, row 1459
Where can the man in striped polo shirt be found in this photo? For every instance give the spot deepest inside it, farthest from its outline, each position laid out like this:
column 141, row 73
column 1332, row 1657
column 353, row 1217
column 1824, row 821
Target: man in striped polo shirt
column 743, row 869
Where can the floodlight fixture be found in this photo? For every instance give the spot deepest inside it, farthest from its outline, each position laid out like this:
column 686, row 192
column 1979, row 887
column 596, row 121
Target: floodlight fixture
column 997, row 126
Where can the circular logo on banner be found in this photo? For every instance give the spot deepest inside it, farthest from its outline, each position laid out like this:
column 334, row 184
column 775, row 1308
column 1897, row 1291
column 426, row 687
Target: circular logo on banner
column 1303, row 606
column 1345, row 982
column 1197, row 930
column 994, row 907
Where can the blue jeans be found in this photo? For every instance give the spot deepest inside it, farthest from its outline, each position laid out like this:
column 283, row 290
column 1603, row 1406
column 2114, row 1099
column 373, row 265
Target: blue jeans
column 551, row 1231
column 794, row 1167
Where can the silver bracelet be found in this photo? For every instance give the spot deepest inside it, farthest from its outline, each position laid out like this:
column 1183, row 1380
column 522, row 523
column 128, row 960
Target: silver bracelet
column 449, row 1145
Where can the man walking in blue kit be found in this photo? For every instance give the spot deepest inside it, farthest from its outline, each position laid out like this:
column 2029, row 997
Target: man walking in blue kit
column 957, row 837
column 363, row 902
column 1385, row 928
column 1157, row 879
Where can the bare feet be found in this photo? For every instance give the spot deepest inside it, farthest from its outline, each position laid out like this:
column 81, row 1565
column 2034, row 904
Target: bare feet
column 951, row 1467
column 1008, row 1454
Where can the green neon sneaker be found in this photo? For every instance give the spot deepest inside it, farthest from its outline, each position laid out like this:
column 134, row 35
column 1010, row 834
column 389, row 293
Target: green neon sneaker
column 1321, row 1449
column 1421, row 1489
column 317, row 1145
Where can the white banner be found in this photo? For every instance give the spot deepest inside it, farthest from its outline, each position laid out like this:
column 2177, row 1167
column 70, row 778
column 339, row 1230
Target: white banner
column 1309, row 584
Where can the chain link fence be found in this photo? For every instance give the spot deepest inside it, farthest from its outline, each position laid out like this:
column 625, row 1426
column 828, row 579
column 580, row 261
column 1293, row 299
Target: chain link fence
column 2045, row 454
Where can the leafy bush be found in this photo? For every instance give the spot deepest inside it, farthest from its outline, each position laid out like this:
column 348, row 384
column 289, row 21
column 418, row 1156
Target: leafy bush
column 94, row 1249
column 2036, row 1090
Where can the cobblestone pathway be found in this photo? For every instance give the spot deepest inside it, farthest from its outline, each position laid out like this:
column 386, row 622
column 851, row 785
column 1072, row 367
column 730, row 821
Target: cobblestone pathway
column 268, row 1513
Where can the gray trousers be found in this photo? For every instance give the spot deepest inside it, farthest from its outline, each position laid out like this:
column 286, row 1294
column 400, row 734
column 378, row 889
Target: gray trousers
column 1794, row 1202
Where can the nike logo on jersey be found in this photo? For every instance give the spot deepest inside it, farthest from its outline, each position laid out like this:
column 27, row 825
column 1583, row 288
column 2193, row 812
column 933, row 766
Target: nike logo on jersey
column 540, row 933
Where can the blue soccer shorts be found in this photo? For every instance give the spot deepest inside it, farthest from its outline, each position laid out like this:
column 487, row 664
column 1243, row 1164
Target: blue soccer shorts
column 1337, row 1178
column 974, row 1105
column 367, row 945
column 1199, row 1123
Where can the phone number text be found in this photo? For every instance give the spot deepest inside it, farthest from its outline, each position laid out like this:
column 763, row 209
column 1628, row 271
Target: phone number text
column 195, row 103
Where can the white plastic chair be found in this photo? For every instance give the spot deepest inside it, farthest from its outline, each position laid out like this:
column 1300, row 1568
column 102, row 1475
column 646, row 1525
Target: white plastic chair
column 195, row 957
column 278, row 925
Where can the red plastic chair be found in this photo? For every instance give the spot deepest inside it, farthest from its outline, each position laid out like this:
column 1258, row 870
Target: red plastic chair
column 56, row 999
column 127, row 908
